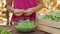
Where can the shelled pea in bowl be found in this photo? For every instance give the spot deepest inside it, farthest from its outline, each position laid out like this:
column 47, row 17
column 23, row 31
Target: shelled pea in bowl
column 54, row 16
column 51, row 19
column 25, row 26
column 5, row 31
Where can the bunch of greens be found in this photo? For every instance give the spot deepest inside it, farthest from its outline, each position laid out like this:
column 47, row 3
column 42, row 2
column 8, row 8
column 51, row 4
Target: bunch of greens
column 4, row 31
column 53, row 17
column 25, row 26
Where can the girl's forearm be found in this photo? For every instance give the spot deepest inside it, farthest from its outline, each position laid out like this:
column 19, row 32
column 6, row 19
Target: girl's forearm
column 9, row 5
column 37, row 8
column 10, row 8
column 34, row 9
column 9, row 2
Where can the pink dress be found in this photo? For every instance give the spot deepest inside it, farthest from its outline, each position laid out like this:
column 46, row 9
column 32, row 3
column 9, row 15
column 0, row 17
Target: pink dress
column 24, row 4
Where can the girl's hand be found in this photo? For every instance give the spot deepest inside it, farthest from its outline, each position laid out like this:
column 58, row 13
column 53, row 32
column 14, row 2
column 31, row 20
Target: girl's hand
column 28, row 11
column 18, row 12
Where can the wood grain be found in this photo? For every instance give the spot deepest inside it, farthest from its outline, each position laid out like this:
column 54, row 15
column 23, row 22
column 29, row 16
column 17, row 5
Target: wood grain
column 14, row 31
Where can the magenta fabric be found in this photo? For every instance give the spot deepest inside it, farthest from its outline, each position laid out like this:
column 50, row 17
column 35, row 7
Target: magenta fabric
column 24, row 4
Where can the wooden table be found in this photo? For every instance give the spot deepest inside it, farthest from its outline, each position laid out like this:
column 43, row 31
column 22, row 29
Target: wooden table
column 14, row 31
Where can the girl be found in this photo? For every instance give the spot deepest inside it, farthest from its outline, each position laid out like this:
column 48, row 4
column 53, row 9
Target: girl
column 24, row 9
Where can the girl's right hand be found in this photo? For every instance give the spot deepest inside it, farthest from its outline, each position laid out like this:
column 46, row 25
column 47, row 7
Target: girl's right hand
column 18, row 12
